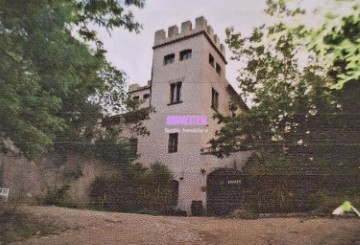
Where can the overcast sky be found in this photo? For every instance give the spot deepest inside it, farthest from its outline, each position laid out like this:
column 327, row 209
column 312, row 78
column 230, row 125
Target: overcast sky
column 132, row 52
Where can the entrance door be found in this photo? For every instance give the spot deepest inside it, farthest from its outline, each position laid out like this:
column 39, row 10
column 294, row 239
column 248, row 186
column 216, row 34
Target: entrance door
column 223, row 191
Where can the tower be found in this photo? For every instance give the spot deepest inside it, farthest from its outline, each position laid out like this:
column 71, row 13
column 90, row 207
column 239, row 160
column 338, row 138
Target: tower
column 188, row 86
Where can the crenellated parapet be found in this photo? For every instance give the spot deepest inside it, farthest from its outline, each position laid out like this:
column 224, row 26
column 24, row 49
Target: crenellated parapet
column 134, row 87
column 201, row 26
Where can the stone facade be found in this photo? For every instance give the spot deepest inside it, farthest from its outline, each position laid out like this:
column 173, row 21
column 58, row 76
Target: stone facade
column 188, row 84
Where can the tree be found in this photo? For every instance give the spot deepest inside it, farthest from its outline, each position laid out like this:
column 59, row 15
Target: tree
column 333, row 34
column 337, row 40
column 55, row 82
column 334, row 40
column 287, row 98
column 298, row 125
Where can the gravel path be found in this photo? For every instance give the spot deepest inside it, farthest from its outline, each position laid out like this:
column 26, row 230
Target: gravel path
column 92, row 227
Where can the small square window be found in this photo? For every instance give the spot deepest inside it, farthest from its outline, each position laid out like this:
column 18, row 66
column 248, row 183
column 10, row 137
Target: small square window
column 169, row 59
column 146, row 96
column 175, row 92
column 173, row 142
column 211, row 60
column 185, row 54
column 136, row 98
column 214, row 99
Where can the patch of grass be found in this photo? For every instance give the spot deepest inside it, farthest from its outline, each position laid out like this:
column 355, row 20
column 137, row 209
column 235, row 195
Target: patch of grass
column 326, row 202
column 17, row 226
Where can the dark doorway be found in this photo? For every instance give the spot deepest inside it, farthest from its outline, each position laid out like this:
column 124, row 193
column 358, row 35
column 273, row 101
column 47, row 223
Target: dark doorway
column 223, row 191
column 173, row 199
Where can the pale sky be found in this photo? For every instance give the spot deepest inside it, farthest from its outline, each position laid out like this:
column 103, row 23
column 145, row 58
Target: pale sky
column 132, row 52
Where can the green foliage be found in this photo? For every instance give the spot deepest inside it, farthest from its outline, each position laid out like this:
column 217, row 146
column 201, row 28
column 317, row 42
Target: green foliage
column 325, row 202
column 294, row 112
column 275, row 183
column 59, row 196
column 156, row 192
column 54, row 87
column 106, row 143
column 269, row 186
column 16, row 225
column 338, row 42
column 135, row 189
column 334, row 37
column 286, row 97
column 105, row 192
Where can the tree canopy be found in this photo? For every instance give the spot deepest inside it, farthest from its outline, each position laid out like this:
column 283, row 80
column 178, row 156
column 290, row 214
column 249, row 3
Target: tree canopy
column 55, row 83
column 287, row 82
column 333, row 35
column 337, row 40
column 304, row 134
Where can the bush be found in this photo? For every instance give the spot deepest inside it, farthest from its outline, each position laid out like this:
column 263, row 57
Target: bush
column 135, row 189
column 16, row 226
column 109, row 192
column 324, row 202
column 59, row 196
column 268, row 182
column 271, row 184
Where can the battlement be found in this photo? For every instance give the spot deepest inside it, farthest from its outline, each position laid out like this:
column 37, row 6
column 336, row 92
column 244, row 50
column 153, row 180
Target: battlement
column 136, row 87
column 161, row 37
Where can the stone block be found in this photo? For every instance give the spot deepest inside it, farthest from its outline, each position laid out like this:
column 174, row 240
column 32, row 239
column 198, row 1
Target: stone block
column 160, row 36
column 186, row 27
column 173, row 31
column 200, row 23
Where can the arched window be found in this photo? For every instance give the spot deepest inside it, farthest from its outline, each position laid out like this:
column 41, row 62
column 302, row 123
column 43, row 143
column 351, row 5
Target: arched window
column 211, row 60
column 218, row 68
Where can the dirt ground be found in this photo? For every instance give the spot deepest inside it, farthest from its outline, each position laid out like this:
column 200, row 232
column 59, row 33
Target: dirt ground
column 92, row 227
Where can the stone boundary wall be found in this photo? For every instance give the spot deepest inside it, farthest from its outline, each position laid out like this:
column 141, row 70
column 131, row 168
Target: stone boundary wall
column 29, row 180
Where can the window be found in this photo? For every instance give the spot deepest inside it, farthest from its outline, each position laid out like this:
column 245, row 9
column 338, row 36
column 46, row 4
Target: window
column 175, row 93
column 211, row 60
column 173, row 142
column 169, row 59
column 136, row 98
column 218, row 68
column 185, row 54
column 146, row 96
column 214, row 99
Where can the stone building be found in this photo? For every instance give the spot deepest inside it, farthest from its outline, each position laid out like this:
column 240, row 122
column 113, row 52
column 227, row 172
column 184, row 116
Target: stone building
column 188, row 85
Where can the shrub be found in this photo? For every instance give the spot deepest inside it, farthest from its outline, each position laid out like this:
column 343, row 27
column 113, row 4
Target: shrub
column 16, row 225
column 135, row 189
column 324, row 202
column 268, row 182
column 110, row 192
column 271, row 184
column 59, row 196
